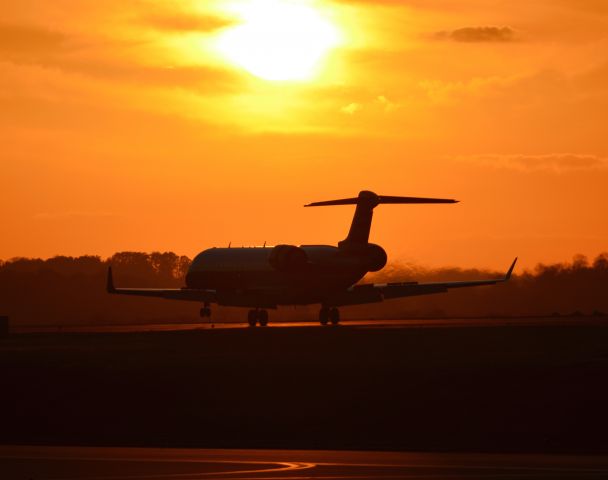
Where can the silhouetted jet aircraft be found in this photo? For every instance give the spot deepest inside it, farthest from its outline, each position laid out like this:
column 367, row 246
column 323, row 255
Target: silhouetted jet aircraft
column 265, row 277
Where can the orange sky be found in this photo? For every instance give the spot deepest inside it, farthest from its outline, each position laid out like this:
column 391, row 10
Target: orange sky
column 125, row 126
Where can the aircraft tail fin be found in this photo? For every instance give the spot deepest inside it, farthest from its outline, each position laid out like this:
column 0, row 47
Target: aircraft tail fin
column 366, row 202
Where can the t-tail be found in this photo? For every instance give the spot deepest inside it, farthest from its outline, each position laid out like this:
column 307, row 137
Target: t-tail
column 358, row 234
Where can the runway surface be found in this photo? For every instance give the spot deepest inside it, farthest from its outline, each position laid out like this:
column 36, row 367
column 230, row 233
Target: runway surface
column 90, row 463
column 374, row 323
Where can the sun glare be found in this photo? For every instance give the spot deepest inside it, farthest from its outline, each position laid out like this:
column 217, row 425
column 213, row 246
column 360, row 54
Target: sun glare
column 279, row 39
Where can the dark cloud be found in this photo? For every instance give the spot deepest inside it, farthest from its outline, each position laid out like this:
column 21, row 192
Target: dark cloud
column 29, row 40
column 32, row 45
column 478, row 34
column 185, row 22
column 556, row 162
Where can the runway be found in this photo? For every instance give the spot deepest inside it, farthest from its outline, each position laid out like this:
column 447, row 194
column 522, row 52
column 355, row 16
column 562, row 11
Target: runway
column 368, row 323
column 91, row 463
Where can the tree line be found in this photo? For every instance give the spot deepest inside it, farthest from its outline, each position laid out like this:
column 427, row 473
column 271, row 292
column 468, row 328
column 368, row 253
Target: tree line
column 569, row 288
column 71, row 290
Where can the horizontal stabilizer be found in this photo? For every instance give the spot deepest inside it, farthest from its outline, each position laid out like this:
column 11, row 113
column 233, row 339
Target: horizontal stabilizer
column 373, row 199
column 366, row 201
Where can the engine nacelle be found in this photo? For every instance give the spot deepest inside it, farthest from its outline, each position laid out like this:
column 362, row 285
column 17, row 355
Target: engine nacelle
column 287, row 258
column 375, row 257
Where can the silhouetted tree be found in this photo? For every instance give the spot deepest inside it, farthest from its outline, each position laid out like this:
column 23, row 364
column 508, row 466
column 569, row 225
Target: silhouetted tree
column 64, row 290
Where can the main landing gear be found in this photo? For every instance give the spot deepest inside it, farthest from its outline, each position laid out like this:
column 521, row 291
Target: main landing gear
column 205, row 311
column 257, row 316
column 329, row 315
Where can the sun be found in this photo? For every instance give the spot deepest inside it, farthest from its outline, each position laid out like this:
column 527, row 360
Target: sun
column 279, row 40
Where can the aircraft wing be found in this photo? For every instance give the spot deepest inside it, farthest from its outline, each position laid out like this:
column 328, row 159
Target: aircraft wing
column 377, row 292
column 167, row 293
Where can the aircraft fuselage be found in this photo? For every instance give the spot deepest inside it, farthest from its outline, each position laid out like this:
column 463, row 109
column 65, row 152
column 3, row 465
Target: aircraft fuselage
column 297, row 275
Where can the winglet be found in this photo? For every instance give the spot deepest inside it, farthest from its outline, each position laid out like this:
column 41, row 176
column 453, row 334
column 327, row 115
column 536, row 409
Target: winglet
column 508, row 275
column 110, row 282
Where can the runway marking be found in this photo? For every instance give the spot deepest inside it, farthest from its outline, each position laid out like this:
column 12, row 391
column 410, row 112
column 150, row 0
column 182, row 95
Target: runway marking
column 539, row 472
column 290, row 465
column 429, row 475
column 297, row 470
column 136, row 459
column 465, row 466
column 459, row 476
column 284, row 466
column 256, row 474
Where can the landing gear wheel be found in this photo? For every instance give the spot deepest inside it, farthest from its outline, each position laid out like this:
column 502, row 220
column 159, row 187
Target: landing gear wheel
column 252, row 317
column 263, row 318
column 334, row 316
column 324, row 315
column 205, row 312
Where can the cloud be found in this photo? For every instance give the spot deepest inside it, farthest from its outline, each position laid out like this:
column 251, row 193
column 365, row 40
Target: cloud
column 198, row 78
column 186, row 22
column 478, row 35
column 592, row 6
column 374, row 105
column 351, row 108
column 387, row 105
column 446, row 92
column 555, row 162
column 73, row 215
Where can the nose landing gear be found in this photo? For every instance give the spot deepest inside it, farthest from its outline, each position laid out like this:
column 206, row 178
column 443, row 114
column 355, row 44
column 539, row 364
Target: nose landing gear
column 327, row 315
column 257, row 316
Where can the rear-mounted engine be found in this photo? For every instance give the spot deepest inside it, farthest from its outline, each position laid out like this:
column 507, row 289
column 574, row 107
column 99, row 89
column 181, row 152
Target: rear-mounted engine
column 376, row 257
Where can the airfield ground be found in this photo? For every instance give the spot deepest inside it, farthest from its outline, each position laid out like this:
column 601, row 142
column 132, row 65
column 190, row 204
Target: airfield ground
column 504, row 388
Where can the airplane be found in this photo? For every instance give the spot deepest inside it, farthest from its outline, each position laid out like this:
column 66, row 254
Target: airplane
column 266, row 277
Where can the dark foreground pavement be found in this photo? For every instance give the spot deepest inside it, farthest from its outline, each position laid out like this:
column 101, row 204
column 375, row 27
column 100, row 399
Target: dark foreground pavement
column 71, row 463
column 498, row 389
